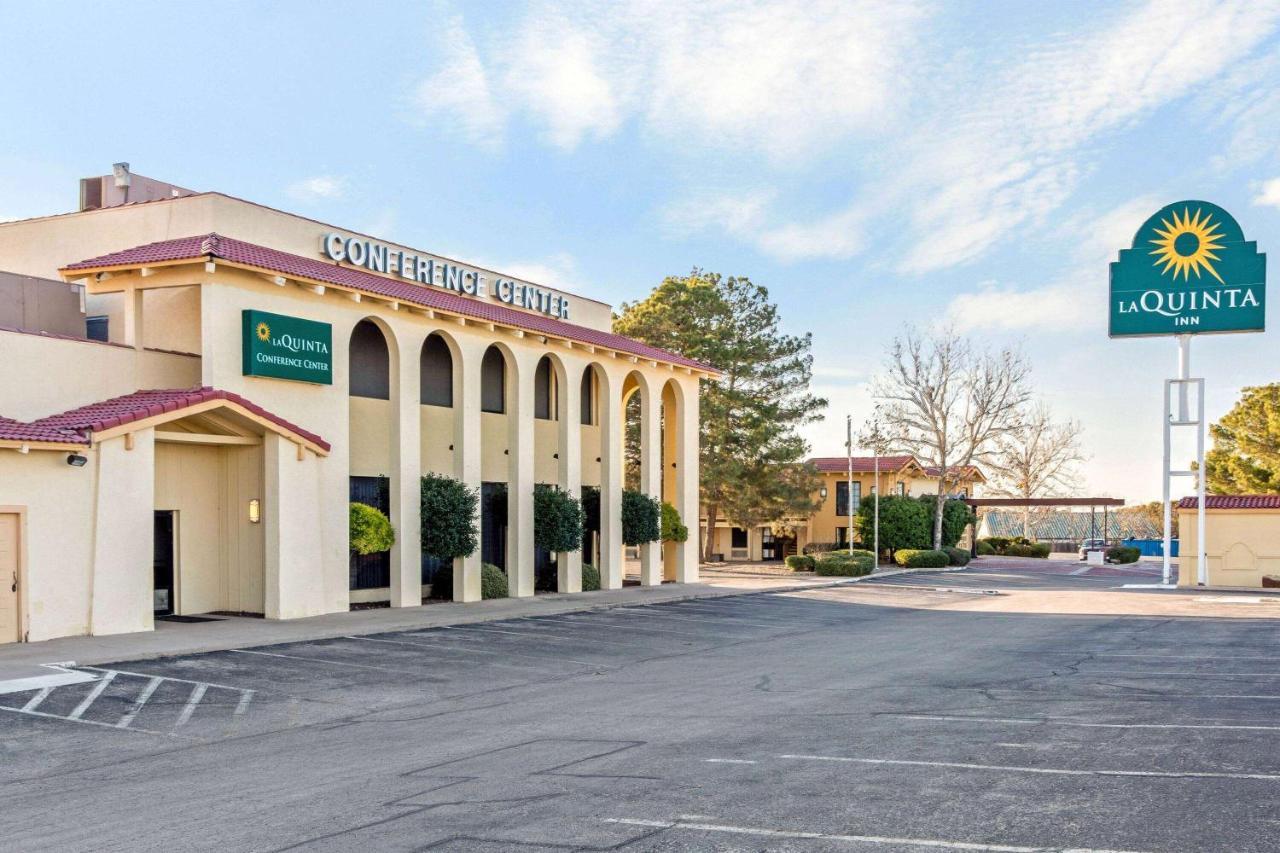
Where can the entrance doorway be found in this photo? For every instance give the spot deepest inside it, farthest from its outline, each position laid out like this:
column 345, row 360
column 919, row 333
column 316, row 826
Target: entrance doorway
column 162, row 563
column 9, row 551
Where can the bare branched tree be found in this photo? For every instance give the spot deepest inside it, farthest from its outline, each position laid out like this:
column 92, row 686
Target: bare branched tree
column 1037, row 459
column 949, row 403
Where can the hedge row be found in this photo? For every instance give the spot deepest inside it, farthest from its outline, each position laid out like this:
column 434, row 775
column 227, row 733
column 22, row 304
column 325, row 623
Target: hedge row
column 1018, row 546
column 846, row 564
column 918, row 558
column 1123, row 554
column 801, row 563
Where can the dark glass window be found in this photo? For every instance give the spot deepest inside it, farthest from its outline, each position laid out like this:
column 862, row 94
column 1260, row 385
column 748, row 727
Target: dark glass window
column 95, row 328
column 370, row 362
column 842, row 496
column 588, row 396
column 371, row 571
column 739, row 538
column 493, row 382
column 543, row 391
column 436, row 373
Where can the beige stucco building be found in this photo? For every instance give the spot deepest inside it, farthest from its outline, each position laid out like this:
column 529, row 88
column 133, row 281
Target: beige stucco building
column 261, row 369
column 829, row 524
column 1242, row 540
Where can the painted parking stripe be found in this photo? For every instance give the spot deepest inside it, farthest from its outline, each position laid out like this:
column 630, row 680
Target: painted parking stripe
column 1055, row 721
column 761, row 832
column 466, row 648
column 445, row 651
column 123, row 722
column 93, row 694
column 729, row 761
column 111, row 726
column 165, row 677
column 324, row 661
column 34, row 701
column 1045, row 771
column 197, row 693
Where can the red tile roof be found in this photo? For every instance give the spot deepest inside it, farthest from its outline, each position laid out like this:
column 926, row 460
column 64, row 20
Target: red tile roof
column 296, row 266
column 78, row 425
column 861, row 464
column 1233, row 502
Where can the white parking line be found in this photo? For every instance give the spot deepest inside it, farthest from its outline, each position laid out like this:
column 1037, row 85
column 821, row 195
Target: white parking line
column 246, row 697
column 1048, row 771
column 728, row 761
column 857, row 839
column 123, row 722
column 93, row 694
column 1055, row 721
column 324, row 661
column 197, row 693
column 468, row 650
column 34, row 701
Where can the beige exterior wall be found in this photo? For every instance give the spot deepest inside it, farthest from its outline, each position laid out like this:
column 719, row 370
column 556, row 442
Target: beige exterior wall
column 1241, row 546
column 91, row 529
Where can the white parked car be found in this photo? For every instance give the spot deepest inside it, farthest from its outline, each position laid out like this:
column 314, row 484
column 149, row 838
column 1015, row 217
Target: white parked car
column 1092, row 545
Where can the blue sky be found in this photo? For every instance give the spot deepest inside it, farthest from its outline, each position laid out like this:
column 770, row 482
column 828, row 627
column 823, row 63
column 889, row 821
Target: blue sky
column 871, row 163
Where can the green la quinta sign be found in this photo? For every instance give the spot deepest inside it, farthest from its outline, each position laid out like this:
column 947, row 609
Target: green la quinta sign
column 287, row 347
column 1190, row 271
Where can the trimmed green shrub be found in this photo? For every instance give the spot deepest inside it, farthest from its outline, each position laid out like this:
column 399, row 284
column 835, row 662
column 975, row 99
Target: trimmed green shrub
column 918, row 558
column 1017, row 549
column 997, row 543
column 641, row 518
column 904, row 522
column 1018, row 546
column 1123, row 554
column 956, row 516
column 673, row 529
column 493, row 582
column 590, row 578
column 957, row 556
column 449, row 511
column 985, row 549
column 849, row 563
column 1041, row 550
column 370, row 529
column 801, row 563
column 557, row 519
column 819, row 547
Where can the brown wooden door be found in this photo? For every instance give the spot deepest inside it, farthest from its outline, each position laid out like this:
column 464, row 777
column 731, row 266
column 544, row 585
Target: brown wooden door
column 9, row 552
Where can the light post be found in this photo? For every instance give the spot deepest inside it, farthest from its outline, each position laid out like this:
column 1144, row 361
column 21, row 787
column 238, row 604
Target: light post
column 848, row 495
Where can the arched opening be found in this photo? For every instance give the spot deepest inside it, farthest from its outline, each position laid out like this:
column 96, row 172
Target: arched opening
column 589, row 415
column 495, row 375
column 670, row 420
column 370, row 414
column 436, row 384
column 549, row 378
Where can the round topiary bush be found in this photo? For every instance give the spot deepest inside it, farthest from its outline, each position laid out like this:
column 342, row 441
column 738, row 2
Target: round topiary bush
column 557, row 519
column 912, row 558
column 985, row 549
column 849, row 564
column 957, row 556
column 493, row 582
column 370, row 530
column 641, row 518
column 590, row 578
column 449, row 512
column 801, row 563
column 673, row 529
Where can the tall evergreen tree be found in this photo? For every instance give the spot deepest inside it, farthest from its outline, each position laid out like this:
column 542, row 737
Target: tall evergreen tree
column 752, row 454
column 1245, row 458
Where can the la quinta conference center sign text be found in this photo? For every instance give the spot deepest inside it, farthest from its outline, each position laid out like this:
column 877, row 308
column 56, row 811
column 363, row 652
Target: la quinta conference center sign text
column 421, row 269
column 1189, row 271
column 285, row 347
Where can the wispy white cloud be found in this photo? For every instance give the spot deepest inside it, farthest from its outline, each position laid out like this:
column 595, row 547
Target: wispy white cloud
column 782, row 77
column 1269, row 194
column 318, row 187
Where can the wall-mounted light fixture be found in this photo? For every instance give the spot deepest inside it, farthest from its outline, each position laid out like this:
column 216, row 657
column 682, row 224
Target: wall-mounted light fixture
column 75, row 460
column 555, row 455
column 255, row 511
column 822, row 493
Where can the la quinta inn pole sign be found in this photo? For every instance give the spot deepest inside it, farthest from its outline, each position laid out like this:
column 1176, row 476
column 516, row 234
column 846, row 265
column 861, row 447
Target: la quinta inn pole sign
column 1189, row 272
column 381, row 258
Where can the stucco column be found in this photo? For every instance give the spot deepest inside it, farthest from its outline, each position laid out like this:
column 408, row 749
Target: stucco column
column 120, row 591
column 466, row 454
column 520, row 448
column 569, row 563
column 292, row 522
column 650, row 477
column 406, row 472
column 687, row 478
column 134, row 318
column 611, row 428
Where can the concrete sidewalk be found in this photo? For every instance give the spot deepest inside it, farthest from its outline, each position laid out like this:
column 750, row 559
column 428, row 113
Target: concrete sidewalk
column 28, row 660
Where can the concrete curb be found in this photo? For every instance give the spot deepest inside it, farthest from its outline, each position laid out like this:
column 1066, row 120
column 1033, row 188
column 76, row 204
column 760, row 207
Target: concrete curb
column 28, row 659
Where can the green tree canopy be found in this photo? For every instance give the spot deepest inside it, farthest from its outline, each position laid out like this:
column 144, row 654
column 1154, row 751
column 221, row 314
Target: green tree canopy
column 751, row 450
column 557, row 519
column 1245, row 458
column 641, row 518
column 370, row 529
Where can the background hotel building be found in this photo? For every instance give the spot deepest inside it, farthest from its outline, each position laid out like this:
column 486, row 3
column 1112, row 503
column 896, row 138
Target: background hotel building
column 899, row 475
column 167, row 467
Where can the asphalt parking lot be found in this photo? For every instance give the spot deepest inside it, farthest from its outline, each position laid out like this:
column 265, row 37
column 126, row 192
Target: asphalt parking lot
column 795, row 721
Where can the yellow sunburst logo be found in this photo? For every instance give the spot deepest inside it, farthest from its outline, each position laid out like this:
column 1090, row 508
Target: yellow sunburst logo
column 1187, row 244
column 264, row 332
